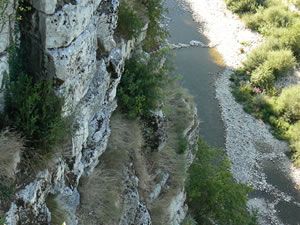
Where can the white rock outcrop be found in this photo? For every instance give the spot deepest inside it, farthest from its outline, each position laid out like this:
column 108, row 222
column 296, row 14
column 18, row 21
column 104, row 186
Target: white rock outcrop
column 7, row 17
column 74, row 42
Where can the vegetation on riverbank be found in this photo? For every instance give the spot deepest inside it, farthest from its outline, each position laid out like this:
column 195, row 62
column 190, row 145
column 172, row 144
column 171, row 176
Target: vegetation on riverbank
column 213, row 196
column 256, row 82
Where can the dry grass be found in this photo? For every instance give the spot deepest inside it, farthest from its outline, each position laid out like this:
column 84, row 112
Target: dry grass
column 58, row 215
column 179, row 110
column 101, row 193
column 11, row 146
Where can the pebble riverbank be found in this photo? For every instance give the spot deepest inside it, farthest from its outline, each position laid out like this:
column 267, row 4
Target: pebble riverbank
column 249, row 143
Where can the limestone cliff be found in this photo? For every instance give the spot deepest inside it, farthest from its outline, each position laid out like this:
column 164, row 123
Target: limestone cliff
column 74, row 42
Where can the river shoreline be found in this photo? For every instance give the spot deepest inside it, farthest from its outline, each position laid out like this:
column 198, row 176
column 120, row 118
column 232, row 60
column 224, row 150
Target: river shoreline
column 249, row 143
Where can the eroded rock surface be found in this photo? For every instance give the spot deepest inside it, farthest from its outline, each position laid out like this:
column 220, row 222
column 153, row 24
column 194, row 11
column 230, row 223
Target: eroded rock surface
column 72, row 42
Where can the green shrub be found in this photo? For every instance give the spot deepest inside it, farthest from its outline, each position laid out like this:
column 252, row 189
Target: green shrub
column 34, row 109
column 243, row 92
column 212, row 193
column 2, row 220
column 255, row 58
column 281, row 61
column 263, row 77
column 277, row 16
column 182, row 144
column 289, row 38
column 129, row 23
column 6, row 191
column 296, row 153
column 271, row 17
column 293, row 134
column 289, row 103
column 243, row 6
column 189, row 220
column 140, row 87
column 156, row 33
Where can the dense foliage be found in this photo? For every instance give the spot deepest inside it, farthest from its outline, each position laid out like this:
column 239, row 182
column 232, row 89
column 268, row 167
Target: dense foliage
column 157, row 32
column 255, row 82
column 212, row 193
column 140, row 87
column 243, row 6
column 32, row 107
column 129, row 23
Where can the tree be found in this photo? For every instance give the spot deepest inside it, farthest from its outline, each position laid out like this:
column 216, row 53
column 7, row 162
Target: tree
column 212, row 193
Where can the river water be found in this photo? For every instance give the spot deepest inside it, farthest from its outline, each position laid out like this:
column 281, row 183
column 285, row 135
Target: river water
column 199, row 72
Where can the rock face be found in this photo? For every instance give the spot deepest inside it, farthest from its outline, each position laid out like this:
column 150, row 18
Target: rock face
column 7, row 17
column 73, row 42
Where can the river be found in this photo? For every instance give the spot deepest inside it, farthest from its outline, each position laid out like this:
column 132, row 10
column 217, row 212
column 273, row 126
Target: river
column 199, row 72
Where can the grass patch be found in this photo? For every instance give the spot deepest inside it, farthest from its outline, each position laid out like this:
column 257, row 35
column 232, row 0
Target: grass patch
column 11, row 147
column 189, row 220
column 58, row 216
column 10, row 152
column 179, row 111
column 101, row 192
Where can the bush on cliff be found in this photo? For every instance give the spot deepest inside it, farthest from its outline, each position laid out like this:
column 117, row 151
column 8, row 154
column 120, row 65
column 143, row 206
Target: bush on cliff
column 129, row 23
column 33, row 108
column 156, row 32
column 141, row 85
column 213, row 195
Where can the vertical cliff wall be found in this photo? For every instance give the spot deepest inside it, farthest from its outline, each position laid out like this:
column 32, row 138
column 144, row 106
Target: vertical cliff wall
column 7, row 21
column 74, row 42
